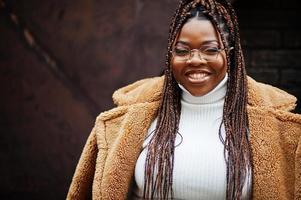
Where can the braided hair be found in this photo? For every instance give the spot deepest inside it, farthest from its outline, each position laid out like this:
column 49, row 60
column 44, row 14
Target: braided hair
column 160, row 154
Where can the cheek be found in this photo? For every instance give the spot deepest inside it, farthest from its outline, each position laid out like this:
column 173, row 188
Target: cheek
column 224, row 61
column 221, row 65
column 176, row 68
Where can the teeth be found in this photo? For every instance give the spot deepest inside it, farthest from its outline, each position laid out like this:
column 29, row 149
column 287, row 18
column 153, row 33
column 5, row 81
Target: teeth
column 197, row 75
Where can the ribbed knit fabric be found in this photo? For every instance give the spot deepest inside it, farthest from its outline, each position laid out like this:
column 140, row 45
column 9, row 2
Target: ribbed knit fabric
column 199, row 165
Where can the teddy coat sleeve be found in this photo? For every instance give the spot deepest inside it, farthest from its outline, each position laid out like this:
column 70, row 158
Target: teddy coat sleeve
column 298, row 170
column 82, row 180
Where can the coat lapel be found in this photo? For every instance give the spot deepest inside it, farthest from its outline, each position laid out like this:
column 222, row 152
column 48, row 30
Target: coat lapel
column 273, row 145
column 122, row 156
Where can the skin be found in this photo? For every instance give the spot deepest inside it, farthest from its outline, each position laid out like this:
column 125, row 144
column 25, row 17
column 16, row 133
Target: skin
column 194, row 34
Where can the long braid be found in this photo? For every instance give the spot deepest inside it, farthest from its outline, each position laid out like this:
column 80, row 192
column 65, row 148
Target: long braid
column 237, row 111
column 160, row 154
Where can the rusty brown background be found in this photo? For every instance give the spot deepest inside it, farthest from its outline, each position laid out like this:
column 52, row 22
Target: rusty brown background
column 48, row 111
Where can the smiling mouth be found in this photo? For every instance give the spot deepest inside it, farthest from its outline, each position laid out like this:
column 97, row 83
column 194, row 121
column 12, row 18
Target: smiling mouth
column 198, row 77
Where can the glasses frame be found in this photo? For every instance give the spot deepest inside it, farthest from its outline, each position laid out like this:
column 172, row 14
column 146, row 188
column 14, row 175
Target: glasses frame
column 200, row 53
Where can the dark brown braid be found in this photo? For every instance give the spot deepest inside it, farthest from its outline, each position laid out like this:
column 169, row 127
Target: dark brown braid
column 160, row 153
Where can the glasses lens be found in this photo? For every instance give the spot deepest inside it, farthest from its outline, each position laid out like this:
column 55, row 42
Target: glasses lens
column 181, row 52
column 210, row 53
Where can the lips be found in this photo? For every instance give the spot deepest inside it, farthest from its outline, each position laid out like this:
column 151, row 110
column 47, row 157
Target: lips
column 197, row 76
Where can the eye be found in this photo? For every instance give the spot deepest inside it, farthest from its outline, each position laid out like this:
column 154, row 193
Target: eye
column 181, row 51
column 210, row 50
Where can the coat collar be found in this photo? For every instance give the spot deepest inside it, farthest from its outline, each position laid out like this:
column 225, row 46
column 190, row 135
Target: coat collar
column 259, row 94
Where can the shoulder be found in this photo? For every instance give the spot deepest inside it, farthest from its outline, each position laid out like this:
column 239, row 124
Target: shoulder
column 270, row 120
column 141, row 91
column 262, row 95
column 140, row 95
column 271, row 106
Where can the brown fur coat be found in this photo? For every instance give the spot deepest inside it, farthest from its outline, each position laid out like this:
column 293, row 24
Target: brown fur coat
column 105, row 169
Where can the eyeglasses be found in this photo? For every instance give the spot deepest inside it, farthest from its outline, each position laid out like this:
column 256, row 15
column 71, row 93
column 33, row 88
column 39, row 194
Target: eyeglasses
column 209, row 53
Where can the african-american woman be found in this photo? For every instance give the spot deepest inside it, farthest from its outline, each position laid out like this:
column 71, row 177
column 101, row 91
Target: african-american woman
column 203, row 130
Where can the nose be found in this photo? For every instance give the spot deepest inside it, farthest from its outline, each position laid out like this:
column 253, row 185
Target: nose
column 196, row 59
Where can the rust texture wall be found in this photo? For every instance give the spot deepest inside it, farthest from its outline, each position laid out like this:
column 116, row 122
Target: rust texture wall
column 47, row 111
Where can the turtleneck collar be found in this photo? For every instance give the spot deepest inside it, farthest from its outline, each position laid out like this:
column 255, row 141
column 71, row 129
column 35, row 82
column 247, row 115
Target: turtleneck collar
column 215, row 95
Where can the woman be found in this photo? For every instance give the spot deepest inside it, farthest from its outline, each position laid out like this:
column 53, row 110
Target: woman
column 204, row 130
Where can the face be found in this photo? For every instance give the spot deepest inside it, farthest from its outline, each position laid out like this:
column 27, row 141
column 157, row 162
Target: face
column 196, row 74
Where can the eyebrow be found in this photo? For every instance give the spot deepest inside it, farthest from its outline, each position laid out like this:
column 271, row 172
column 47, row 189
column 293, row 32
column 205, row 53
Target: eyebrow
column 205, row 42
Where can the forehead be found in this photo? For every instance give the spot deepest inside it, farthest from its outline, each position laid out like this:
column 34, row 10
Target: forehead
column 196, row 32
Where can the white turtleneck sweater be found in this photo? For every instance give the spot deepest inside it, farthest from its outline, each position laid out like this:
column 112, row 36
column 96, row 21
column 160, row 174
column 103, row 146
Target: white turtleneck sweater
column 199, row 164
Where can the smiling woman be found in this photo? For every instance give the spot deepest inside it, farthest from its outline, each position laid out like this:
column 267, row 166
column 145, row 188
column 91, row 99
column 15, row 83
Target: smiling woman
column 204, row 130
